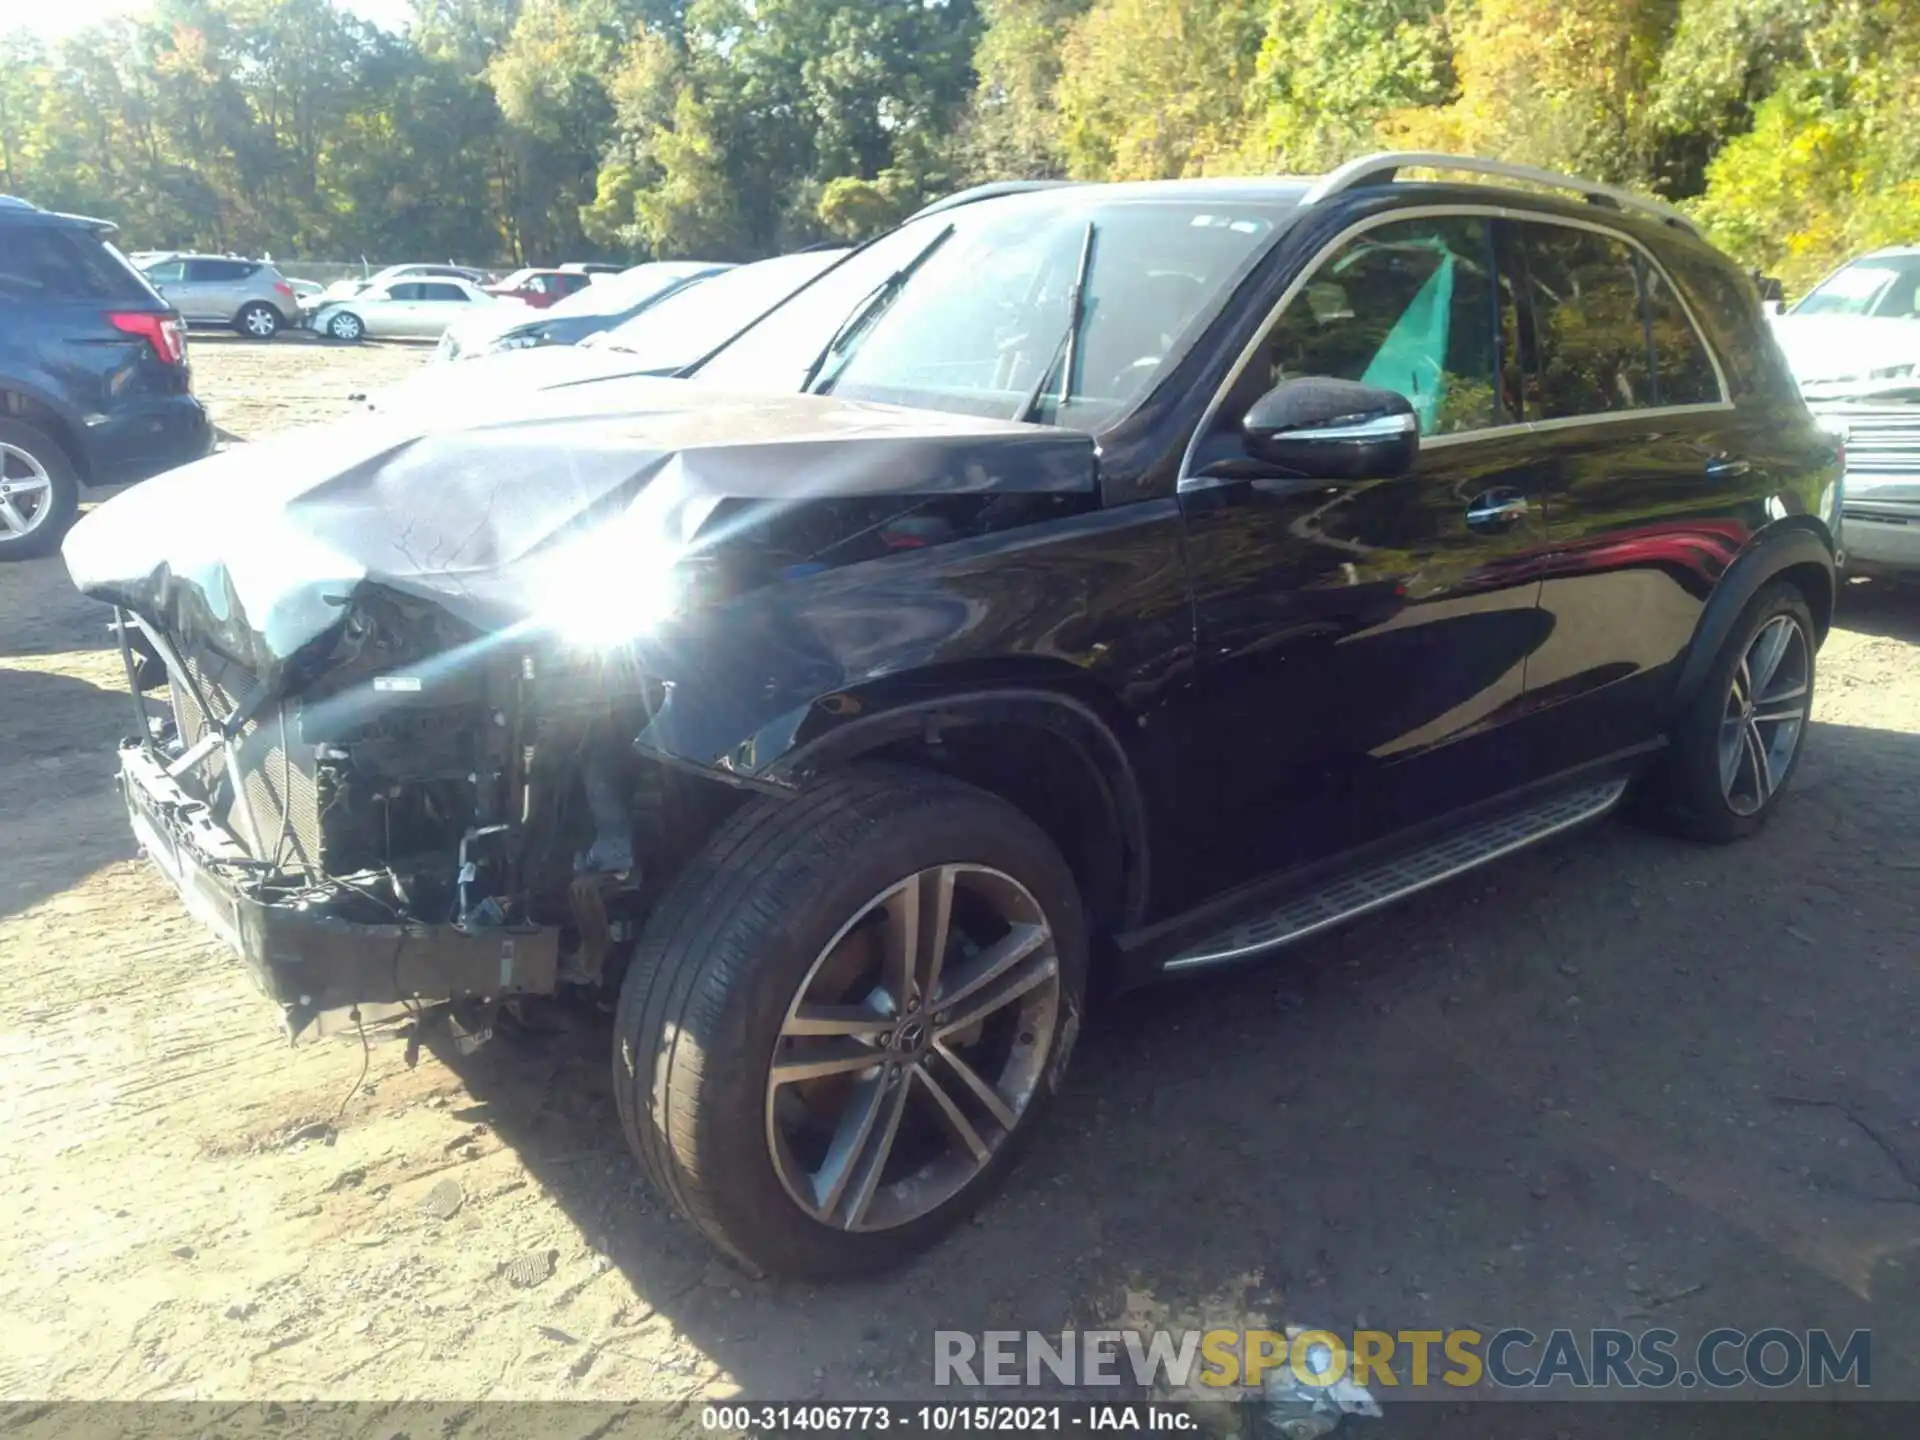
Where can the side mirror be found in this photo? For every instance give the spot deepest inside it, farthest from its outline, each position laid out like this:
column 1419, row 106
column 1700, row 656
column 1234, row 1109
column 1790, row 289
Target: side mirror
column 1333, row 430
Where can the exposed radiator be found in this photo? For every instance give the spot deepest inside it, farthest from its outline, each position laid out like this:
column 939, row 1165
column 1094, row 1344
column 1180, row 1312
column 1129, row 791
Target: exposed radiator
column 278, row 782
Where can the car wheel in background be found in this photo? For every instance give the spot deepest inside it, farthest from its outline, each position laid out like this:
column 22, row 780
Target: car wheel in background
column 1736, row 747
column 346, row 326
column 258, row 321
column 39, row 491
column 845, row 1017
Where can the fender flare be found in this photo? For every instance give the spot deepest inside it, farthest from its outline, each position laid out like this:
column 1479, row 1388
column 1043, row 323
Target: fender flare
column 1778, row 548
column 47, row 396
column 1108, row 767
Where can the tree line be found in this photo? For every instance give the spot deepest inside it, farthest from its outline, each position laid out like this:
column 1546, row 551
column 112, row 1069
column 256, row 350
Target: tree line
column 510, row 130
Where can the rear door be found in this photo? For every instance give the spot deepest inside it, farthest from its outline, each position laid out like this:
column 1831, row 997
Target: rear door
column 1362, row 646
column 1643, row 471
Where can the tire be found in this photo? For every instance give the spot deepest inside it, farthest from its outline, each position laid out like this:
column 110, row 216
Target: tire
column 34, row 469
column 346, row 326
column 258, row 321
column 1689, row 793
column 755, row 923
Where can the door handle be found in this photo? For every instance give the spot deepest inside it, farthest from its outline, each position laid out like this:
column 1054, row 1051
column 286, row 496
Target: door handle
column 1496, row 511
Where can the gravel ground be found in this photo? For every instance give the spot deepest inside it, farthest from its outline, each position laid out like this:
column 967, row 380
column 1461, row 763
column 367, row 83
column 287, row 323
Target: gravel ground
column 1616, row 1081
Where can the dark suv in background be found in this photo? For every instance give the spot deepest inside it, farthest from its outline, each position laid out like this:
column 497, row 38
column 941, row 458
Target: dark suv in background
column 93, row 374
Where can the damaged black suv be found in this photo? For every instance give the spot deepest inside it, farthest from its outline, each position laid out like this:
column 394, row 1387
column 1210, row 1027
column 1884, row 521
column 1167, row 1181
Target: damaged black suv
column 1078, row 585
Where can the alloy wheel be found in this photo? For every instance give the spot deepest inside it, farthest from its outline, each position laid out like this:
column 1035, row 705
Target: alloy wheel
column 26, row 492
column 260, row 323
column 913, row 1048
column 345, row 327
column 1766, row 709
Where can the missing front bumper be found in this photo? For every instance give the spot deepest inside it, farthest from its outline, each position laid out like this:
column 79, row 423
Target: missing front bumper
column 305, row 958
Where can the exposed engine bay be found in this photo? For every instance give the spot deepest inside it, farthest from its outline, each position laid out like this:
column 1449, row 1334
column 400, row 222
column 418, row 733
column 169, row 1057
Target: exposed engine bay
column 475, row 797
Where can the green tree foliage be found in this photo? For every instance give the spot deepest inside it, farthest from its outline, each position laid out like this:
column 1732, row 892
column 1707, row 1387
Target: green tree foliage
column 511, row 130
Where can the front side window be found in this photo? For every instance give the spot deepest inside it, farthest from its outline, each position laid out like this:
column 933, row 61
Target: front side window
column 441, row 292
column 1407, row 306
column 398, row 292
column 167, row 272
column 1590, row 353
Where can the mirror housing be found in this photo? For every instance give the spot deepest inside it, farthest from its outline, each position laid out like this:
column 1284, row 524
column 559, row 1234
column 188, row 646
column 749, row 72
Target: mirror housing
column 1333, row 430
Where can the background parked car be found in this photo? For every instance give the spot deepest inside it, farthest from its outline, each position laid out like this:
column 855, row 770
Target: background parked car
column 592, row 267
column 540, row 288
column 342, row 289
column 674, row 332
column 1853, row 343
column 608, row 302
column 93, row 374
column 399, row 310
column 249, row 296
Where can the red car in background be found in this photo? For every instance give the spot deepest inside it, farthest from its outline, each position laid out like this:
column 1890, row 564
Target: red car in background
column 540, row 288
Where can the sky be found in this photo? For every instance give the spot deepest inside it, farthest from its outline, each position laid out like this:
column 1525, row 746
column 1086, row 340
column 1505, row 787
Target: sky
column 53, row 18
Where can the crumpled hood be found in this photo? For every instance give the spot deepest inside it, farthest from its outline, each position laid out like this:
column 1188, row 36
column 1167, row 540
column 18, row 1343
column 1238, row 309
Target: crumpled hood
column 260, row 551
column 1848, row 350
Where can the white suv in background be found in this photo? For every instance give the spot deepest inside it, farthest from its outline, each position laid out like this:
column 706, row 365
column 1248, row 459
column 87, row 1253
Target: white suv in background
column 1853, row 343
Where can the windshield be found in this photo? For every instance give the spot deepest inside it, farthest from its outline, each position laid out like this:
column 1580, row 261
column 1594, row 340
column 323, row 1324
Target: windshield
column 980, row 322
column 690, row 322
column 617, row 294
column 1884, row 287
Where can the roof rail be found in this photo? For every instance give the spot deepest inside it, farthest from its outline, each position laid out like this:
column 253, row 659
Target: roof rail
column 14, row 202
column 1382, row 167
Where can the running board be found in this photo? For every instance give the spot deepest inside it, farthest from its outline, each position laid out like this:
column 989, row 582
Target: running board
column 1359, row 891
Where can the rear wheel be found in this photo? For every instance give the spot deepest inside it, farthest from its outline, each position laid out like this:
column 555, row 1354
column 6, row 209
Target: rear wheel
column 346, row 326
column 845, row 1017
column 39, row 491
column 1736, row 747
column 258, row 321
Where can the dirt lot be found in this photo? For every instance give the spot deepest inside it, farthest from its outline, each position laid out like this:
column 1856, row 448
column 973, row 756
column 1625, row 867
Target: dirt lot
column 1616, row 1081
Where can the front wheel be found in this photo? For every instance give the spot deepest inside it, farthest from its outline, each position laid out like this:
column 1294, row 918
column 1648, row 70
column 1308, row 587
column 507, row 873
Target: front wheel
column 845, row 1017
column 258, row 321
column 346, row 326
column 1738, row 743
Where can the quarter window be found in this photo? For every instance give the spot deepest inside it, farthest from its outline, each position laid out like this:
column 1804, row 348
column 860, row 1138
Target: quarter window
column 1682, row 368
column 1409, row 306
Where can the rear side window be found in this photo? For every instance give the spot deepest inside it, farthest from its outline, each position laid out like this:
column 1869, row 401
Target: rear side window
column 50, row 262
column 217, row 272
column 1590, row 354
column 1683, row 373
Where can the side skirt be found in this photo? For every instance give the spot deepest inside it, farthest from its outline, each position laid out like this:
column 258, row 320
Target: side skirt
column 1284, row 909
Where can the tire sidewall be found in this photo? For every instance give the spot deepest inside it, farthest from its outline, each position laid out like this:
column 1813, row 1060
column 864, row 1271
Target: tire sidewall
column 65, row 499
column 968, row 827
column 1697, row 791
column 244, row 324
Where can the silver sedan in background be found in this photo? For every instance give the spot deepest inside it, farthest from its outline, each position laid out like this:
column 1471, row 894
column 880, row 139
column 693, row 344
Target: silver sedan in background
column 402, row 310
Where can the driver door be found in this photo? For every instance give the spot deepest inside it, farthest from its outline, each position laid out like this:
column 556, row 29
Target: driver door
column 1362, row 646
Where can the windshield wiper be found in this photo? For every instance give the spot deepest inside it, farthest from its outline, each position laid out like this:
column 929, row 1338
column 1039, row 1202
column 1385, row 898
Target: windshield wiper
column 1067, row 353
column 865, row 315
